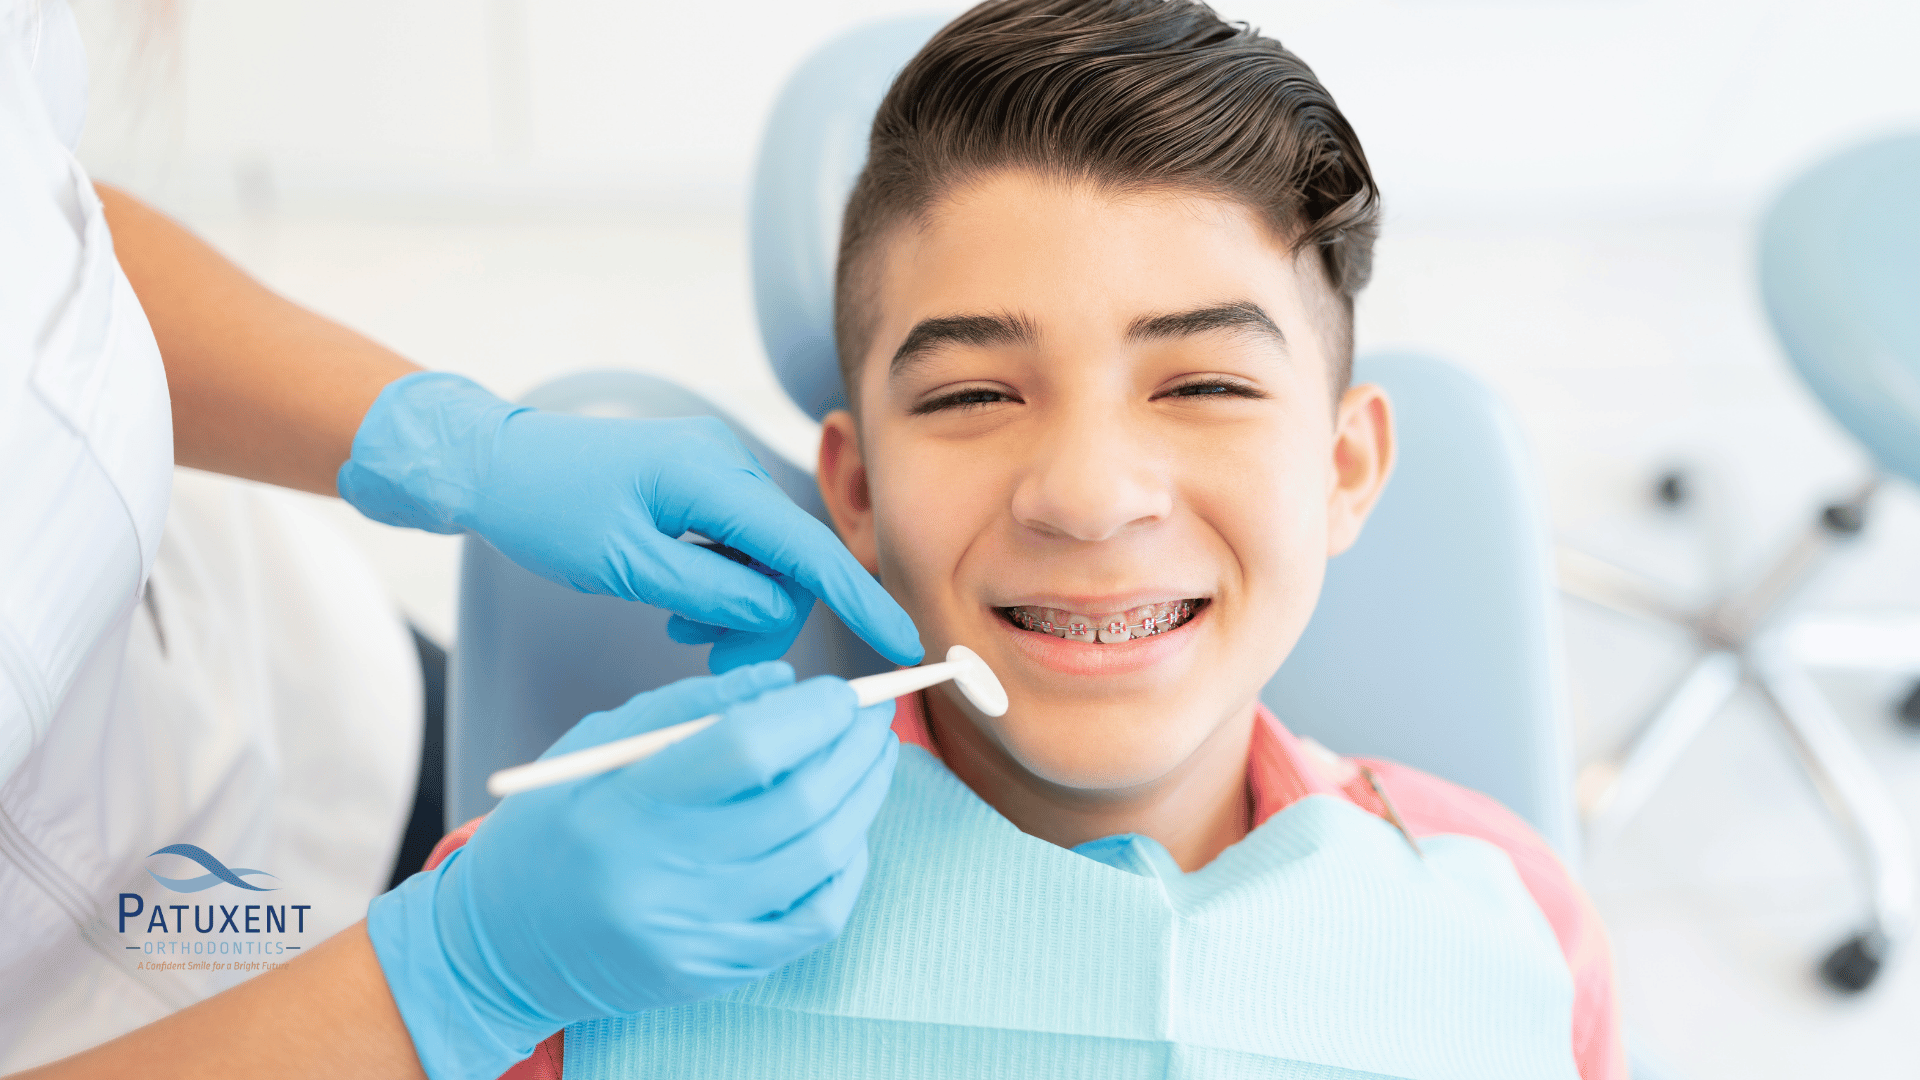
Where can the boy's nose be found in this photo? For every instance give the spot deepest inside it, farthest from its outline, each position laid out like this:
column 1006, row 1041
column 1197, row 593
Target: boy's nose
column 1084, row 484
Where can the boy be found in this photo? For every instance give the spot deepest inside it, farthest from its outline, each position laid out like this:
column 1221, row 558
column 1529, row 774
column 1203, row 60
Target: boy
column 1094, row 315
column 1096, row 290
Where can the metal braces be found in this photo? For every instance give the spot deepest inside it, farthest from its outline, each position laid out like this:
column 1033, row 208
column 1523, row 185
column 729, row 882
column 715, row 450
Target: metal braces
column 1151, row 624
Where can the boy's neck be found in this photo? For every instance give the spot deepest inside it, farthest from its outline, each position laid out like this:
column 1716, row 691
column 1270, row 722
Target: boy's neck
column 1195, row 812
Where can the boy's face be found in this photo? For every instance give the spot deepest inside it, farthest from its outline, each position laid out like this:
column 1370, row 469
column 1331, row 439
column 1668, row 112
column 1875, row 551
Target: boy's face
column 1106, row 406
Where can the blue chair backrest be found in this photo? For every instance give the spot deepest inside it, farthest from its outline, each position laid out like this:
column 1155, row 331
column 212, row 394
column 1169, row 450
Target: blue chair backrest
column 1840, row 275
column 1435, row 642
column 810, row 155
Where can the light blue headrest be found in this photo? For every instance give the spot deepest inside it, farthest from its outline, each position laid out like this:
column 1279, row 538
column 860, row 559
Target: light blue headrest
column 1840, row 273
column 814, row 146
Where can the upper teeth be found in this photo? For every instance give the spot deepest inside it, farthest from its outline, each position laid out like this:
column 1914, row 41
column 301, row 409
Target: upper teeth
column 1108, row 629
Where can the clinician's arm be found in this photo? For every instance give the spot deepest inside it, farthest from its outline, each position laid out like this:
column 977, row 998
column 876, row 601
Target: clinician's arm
column 262, row 388
column 266, row 390
column 680, row 877
column 327, row 1014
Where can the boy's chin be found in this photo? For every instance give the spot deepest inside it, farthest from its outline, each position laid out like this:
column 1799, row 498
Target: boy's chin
column 1101, row 761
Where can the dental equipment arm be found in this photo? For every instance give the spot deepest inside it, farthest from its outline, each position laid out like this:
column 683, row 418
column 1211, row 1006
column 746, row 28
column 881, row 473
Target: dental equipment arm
column 266, row 390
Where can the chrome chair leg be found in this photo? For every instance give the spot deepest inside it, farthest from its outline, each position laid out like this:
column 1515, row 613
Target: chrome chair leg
column 1860, row 802
column 1613, row 790
column 1741, row 639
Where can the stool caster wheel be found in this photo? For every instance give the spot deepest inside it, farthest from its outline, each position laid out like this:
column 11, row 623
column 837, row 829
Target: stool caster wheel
column 1853, row 965
column 1909, row 710
column 1672, row 489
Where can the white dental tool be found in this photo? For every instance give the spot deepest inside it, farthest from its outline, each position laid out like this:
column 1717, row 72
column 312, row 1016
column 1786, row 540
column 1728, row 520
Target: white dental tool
column 970, row 673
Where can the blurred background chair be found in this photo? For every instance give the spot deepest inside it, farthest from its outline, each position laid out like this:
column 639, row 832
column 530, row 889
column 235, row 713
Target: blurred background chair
column 1840, row 277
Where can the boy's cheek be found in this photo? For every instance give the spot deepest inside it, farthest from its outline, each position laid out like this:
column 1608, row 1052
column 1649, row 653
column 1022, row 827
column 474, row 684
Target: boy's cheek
column 927, row 507
column 1274, row 527
column 917, row 547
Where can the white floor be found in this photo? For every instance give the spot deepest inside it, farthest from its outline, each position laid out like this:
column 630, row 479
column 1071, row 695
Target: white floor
column 1626, row 345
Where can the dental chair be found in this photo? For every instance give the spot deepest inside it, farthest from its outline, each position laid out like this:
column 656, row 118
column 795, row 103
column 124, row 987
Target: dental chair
column 1436, row 641
column 1840, row 277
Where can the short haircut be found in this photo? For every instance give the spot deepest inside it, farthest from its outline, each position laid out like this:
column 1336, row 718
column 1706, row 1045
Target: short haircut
column 1128, row 95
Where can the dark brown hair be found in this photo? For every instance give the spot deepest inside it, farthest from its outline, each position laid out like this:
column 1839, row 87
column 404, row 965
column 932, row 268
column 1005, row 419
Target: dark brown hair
column 1126, row 94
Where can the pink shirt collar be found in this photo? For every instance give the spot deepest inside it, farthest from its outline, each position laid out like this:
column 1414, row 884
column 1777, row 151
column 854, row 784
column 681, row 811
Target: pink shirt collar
column 1282, row 768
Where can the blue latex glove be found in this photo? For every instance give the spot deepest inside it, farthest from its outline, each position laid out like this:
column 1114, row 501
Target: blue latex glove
column 676, row 878
column 598, row 504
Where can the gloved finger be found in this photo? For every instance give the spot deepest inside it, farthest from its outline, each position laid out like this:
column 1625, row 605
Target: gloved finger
column 734, row 648
column 788, row 539
column 754, row 743
column 775, row 881
column 688, row 632
column 706, row 453
column 753, row 827
column 689, row 580
column 824, row 911
column 675, row 703
column 706, row 439
column 775, row 941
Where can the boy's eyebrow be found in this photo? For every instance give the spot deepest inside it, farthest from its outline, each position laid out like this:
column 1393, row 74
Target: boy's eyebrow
column 982, row 331
column 976, row 330
column 1238, row 315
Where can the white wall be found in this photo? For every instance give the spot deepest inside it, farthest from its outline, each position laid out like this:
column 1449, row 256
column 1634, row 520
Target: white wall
column 1550, row 106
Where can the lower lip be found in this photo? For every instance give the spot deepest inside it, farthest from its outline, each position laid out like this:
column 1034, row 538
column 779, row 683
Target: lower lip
column 1093, row 660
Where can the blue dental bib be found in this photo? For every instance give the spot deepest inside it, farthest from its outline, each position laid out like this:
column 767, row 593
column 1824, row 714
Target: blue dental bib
column 1321, row 946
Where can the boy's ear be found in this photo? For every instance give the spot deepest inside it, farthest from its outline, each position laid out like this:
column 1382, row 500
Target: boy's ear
column 1363, row 452
column 843, row 484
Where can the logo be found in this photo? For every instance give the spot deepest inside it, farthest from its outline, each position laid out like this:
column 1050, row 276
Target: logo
column 216, row 871
column 203, row 935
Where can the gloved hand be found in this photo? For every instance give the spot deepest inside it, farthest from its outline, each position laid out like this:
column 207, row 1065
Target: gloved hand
column 676, row 878
column 598, row 503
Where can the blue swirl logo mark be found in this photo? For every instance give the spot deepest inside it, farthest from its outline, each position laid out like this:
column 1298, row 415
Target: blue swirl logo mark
column 216, row 871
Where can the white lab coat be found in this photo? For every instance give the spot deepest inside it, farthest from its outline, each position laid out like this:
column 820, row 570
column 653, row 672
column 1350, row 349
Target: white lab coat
column 182, row 660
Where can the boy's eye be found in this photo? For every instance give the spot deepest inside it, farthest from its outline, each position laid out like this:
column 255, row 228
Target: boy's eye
column 969, row 398
column 1214, row 388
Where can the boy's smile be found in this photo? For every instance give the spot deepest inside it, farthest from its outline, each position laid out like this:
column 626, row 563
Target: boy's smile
column 1097, row 444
